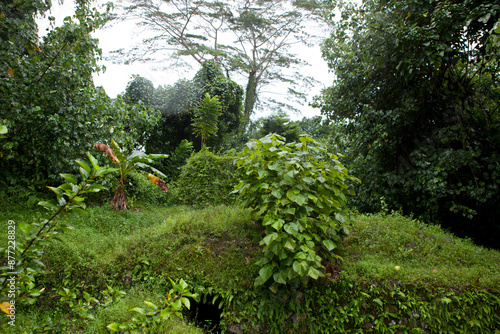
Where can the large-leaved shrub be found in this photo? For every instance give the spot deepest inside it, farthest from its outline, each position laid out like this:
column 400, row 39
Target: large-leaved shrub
column 298, row 191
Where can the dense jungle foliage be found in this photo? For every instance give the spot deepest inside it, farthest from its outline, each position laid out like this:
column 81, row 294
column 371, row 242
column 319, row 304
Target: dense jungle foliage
column 417, row 98
column 166, row 204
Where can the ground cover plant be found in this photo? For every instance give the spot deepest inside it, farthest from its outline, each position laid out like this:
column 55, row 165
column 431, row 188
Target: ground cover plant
column 394, row 269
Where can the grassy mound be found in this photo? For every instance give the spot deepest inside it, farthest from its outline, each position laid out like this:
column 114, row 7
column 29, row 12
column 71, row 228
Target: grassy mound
column 398, row 275
column 396, row 248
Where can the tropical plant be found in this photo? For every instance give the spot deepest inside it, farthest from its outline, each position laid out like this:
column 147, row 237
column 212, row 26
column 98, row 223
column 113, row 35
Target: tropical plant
column 298, row 191
column 205, row 118
column 150, row 319
column 126, row 165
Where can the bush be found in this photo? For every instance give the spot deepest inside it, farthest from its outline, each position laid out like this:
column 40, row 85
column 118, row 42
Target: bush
column 298, row 191
column 207, row 179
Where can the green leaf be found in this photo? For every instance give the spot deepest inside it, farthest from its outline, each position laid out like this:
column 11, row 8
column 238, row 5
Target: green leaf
column 258, row 281
column 289, row 244
column 340, row 218
column 114, row 327
column 291, row 193
column 277, row 224
column 49, row 205
column 266, row 272
column 329, row 244
column 292, row 228
column 70, row 178
column 299, row 199
column 276, row 167
column 262, row 261
column 282, row 254
column 105, row 170
column 93, row 188
column 57, row 191
column 79, row 211
column 84, row 173
column 186, row 302
column 300, row 267
column 269, row 238
column 313, row 273
column 24, row 227
column 117, row 150
column 183, row 285
column 69, row 188
column 94, row 162
column 139, row 310
column 262, row 173
column 151, row 305
column 84, row 166
column 300, row 256
column 312, row 198
column 280, row 277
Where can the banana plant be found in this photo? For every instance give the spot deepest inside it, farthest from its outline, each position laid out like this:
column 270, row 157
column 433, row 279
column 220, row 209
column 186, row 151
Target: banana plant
column 137, row 161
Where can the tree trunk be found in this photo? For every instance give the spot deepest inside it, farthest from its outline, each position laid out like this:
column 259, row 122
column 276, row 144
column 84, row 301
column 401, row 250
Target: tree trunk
column 250, row 95
column 119, row 201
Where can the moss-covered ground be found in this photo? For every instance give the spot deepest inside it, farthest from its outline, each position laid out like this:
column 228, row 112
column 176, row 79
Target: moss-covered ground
column 214, row 250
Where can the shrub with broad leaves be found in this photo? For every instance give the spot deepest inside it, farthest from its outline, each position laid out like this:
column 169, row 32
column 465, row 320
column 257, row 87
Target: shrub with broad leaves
column 298, row 191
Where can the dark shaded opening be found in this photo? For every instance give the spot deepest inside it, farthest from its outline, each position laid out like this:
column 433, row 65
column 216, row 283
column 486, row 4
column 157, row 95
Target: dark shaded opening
column 204, row 314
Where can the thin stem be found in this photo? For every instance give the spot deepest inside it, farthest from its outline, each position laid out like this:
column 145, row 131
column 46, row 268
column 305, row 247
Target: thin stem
column 52, row 217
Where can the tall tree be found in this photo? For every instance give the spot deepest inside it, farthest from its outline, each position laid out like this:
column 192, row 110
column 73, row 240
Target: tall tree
column 417, row 91
column 260, row 34
column 49, row 103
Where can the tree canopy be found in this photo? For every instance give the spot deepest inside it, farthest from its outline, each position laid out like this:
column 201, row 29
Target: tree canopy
column 247, row 38
column 49, row 103
column 417, row 93
column 178, row 102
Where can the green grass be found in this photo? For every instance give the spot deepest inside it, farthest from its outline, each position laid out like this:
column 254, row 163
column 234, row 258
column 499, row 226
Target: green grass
column 425, row 255
column 213, row 249
column 158, row 243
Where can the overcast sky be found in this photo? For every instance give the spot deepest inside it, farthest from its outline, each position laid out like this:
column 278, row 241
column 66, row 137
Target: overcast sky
column 125, row 34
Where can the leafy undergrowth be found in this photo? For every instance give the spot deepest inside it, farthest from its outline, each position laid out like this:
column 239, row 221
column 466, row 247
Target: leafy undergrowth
column 29, row 319
column 214, row 250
